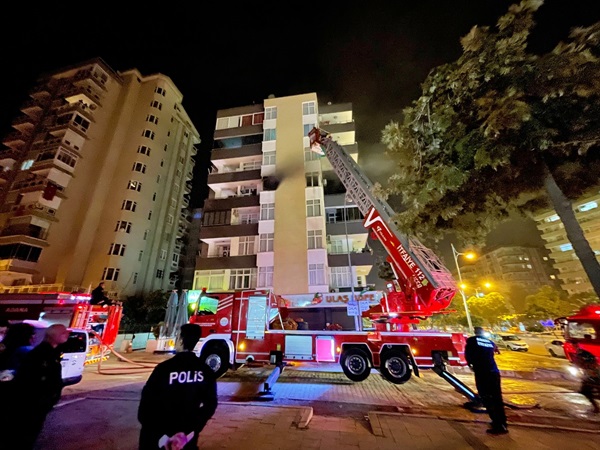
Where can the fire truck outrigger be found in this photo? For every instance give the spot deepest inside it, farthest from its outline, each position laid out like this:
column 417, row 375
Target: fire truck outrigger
column 248, row 326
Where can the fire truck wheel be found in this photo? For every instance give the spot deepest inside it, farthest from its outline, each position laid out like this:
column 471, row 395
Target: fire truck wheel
column 395, row 367
column 355, row 364
column 217, row 358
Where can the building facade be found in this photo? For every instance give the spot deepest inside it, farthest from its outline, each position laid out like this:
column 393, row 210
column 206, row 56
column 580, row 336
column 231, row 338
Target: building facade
column 276, row 215
column 505, row 268
column 573, row 278
column 96, row 180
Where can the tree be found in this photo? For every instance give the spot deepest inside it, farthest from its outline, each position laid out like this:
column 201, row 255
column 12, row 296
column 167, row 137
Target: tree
column 491, row 307
column 500, row 131
column 548, row 303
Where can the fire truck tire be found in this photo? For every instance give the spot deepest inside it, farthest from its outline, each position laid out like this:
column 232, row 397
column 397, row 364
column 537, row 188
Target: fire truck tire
column 355, row 364
column 217, row 358
column 395, row 367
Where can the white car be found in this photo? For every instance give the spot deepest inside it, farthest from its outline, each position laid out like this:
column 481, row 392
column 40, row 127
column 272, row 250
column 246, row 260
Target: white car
column 511, row 342
column 555, row 348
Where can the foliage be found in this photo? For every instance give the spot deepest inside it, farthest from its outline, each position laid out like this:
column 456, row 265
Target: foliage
column 384, row 271
column 148, row 309
column 548, row 303
column 501, row 130
column 490, row 307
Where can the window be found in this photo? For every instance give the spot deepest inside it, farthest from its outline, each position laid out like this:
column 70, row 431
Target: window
column 552, row 218
column 160, row 91
column 269, row 134
column 152, row 119
column 146, row 232
column 316, row 274
column 175, row 258
column 312, row 179
column 148, row 134
column 265, row 277
column 123, row 226
column 157, row 178
column 134, row 185
column 144, row 150
column 117, row 249
column 340, row 277
column 211, row 279
column 315, row 239
column 150, row 215
column 139, row 167
column 170, row 219
column 267, row 211
column 587, row 206
column 163, row 254
column 313, row 208
column 160, row 273
column 156, row 104
column 135, row 275
column 308, row 108
column 248, row 218
column 566, row 247
column 309, row 155
column 253, row 165
column 246, row 246
column 129, row 205
column 337, row 246
column 66, row 159
column 268, row 158
column 140, row 255
column 27, row 164
column 242, row 279
column 22, row 252
column 266, row 242
column 271, row 112
column 110, row 274
column 307, row 128
column 258, row 118
column 173, row 203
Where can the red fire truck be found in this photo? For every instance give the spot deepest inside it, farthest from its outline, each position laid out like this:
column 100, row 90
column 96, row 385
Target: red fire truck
column 72, row 310
column 582, row 331
column 244, row 326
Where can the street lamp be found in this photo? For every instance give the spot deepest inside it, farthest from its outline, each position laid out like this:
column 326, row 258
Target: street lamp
column 468, row 255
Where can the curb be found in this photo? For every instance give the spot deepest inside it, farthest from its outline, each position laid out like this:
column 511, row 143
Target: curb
column 378, row 431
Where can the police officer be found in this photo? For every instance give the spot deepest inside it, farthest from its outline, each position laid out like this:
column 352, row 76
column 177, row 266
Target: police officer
column 179, row 398
column 479, row 353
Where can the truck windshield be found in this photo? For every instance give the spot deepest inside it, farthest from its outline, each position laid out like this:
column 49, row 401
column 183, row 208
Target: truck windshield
column 583, row 330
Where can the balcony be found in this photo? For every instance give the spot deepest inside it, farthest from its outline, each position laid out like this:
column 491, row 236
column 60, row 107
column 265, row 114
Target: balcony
column 80, row 108
column 32, row 107
column 88, row 74
column 230, row 262
column 339, row 228
column 236, row 152
column 221, row 204
column 15, row 138
column 59, row 130
column 238, row 132
column 33, row 209
column 18, row 265
column 24, row 124
column 356, row 259
column 86, row 94
column 9, row 156
column 238, row 176
column 223, row 231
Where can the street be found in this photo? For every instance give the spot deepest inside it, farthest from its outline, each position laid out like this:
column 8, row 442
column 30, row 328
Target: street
column 100, row 411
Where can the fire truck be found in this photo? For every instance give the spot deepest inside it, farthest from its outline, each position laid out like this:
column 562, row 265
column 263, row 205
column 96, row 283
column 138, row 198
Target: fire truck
column 249, row 326
column 70, row 309
column 582, row 331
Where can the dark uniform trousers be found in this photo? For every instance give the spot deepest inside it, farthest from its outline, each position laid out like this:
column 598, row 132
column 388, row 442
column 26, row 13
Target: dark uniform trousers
column 490, row 391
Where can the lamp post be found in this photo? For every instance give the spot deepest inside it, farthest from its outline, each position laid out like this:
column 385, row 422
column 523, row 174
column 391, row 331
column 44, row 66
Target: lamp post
column 462, row 291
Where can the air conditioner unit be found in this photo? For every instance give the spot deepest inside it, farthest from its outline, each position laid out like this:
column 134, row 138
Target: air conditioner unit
column 225, row 253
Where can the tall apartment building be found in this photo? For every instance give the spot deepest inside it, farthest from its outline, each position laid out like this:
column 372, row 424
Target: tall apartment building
column 276, row 215
column 573, row 278
column 95, row 183
column 508, row 267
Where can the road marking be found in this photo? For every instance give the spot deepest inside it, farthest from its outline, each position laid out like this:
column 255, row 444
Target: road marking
column 68, row 402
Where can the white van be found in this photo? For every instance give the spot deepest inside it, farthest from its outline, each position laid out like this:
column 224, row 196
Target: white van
column 73, row 352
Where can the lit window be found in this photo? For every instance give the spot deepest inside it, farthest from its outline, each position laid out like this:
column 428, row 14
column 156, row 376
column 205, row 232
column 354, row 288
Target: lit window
column 587, row 206
column 134, row 185
column 265, row 277
column 552, row 218
column 266, row 242
column 268, row 158
column 316, row 274
column 566, row 247
column 267, row 211
column 27, row 164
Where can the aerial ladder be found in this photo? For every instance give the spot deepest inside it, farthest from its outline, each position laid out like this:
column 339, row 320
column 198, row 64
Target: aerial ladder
column 423, row 286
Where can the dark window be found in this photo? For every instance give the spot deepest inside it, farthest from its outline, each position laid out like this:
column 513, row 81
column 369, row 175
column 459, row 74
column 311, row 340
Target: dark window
column 20, row 251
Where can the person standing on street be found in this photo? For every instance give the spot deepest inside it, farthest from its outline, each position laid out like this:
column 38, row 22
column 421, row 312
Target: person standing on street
column 178, row 399
column 38, row 385
column 479, row 353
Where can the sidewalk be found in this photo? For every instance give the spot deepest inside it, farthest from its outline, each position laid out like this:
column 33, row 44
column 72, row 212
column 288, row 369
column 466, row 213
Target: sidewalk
column 262, row 426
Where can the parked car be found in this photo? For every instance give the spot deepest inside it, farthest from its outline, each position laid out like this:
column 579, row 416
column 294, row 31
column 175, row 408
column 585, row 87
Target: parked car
column 510, row 342
column 555, row 348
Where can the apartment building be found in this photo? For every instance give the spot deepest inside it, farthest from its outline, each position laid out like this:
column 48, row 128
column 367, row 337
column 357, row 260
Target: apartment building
column 506, row 267
column 95, row 182
column 276, row 215
column 573, row 278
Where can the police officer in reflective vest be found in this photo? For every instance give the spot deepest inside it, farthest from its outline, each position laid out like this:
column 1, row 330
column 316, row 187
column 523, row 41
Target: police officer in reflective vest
column 178, row 399
column 479, row 353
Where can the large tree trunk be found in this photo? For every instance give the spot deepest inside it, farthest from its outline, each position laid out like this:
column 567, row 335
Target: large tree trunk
column 581, row 246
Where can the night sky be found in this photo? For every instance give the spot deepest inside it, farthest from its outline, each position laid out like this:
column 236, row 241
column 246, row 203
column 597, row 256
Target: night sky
column 220, row 56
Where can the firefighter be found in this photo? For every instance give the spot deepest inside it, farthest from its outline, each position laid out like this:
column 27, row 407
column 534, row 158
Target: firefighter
column 479, row 352
column 179, row 397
